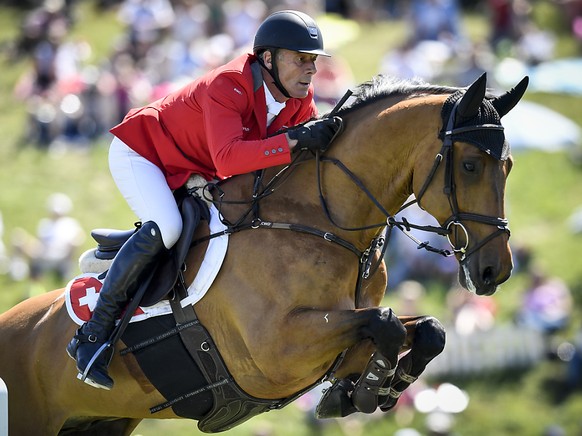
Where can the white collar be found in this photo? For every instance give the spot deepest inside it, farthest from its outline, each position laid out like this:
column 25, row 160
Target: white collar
column 273, row 106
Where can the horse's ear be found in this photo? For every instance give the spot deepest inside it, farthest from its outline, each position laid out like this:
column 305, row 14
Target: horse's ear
column 473, row 97
column 505, row 102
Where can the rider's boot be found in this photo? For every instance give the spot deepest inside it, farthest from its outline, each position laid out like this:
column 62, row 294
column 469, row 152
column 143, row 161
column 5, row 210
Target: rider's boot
column 91, row 347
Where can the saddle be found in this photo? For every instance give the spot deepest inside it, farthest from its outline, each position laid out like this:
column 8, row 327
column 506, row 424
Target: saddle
column 175, row 352
column 167, row 271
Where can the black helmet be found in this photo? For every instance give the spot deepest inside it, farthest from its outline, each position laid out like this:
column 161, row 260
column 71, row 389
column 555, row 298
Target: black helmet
column 291, row 30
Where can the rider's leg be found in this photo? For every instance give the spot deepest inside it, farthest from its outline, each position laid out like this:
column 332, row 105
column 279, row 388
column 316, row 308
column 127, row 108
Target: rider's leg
column 144, row 187
column 137, row 256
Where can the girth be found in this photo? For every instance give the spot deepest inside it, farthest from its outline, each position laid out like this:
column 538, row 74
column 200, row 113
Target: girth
column 231, row 405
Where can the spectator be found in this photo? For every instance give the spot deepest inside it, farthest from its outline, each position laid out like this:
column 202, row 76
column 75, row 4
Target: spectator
column 572, row 11
column 508, row 21
column 435, row 20
column 471, row 313
column 146, row 21
column 574, row 370
column 472, row 62
column 40, row 23
column 546, row 304
column 242, row 18
column 58, row 238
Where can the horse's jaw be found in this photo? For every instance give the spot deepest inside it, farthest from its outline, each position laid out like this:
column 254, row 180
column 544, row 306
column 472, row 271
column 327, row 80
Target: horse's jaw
column 479, row 284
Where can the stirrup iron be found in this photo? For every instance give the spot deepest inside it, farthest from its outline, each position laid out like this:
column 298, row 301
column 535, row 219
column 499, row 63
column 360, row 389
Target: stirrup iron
column 83, row 376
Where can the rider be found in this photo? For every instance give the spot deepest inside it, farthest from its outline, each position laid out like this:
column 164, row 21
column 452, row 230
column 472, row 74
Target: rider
column 222, row 124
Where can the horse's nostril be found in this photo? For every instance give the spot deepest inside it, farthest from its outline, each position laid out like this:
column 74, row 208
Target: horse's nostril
column 489, row 276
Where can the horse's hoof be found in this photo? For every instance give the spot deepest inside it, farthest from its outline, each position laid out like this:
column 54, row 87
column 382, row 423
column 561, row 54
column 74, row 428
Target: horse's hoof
column 388, row 404
column 336, row 401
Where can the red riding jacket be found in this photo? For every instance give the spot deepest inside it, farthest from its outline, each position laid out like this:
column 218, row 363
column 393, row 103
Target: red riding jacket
column 215, row 126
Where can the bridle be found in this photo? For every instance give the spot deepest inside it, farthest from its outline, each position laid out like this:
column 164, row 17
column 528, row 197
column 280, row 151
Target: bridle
column 454, row 223
column 456, row 218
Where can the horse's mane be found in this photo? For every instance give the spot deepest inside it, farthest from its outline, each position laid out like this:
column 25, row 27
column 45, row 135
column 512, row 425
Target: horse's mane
column 383, row 86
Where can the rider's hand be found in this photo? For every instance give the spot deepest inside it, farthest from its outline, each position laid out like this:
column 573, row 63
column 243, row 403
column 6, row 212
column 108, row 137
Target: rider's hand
column 315, row 135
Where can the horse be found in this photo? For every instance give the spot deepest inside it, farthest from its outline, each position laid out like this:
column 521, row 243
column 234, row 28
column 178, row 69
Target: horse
column 298, row 297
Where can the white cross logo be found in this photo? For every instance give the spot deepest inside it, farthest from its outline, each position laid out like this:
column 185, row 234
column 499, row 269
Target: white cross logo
column 90, row 298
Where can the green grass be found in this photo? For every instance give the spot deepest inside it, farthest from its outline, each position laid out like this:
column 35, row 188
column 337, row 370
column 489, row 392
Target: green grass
column 543, row 190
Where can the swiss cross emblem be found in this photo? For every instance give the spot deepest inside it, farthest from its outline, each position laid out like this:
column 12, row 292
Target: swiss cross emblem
column 81, row 297
column 84, row 295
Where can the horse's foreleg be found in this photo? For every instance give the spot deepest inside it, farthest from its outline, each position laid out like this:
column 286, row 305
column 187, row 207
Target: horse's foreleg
column 379, row 372
column 426, row 340
column 334, row 331
column 388, row 337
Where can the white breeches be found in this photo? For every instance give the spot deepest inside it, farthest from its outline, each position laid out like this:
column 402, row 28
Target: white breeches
column 145, row 189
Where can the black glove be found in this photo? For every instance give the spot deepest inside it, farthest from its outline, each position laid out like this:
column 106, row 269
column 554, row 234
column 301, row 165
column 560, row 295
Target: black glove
column 317, row 134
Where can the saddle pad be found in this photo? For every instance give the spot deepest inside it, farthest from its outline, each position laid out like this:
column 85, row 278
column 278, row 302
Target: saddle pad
column 82, row 292
column 169, row 367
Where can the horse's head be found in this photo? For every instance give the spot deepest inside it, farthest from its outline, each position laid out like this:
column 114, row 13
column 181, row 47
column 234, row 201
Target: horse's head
column 464, row 188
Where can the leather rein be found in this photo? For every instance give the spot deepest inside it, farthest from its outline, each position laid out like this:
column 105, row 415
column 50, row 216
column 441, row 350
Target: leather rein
column 366, row 269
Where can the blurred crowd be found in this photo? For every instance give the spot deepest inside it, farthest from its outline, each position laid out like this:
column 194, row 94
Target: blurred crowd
column 74, row 98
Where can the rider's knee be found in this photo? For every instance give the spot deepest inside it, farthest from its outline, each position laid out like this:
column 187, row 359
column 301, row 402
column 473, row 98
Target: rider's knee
column 171, row 229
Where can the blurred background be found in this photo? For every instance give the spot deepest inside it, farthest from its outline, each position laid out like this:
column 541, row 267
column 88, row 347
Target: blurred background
column 70, row 70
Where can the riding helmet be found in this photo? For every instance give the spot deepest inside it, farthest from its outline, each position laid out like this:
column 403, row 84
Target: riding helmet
column 291, row 30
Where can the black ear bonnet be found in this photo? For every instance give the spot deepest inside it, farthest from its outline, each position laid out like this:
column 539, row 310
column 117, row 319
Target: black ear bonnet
column 491, row 141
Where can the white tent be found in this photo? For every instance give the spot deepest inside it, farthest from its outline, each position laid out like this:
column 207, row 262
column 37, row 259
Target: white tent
column 531, row 125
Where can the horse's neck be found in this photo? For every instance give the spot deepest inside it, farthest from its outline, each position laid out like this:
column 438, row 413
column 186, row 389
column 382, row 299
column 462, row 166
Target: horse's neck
column 381, row 146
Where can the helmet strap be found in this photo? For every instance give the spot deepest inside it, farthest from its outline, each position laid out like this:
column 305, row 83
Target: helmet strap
column 274, row 71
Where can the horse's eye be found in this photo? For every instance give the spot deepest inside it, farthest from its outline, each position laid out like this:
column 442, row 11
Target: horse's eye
column 469, row 166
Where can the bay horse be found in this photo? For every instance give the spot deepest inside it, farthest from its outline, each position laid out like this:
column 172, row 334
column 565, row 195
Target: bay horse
column 286, row 303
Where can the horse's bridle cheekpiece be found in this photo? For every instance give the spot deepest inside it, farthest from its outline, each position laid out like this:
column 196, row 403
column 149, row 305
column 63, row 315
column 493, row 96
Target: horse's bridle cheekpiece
column 484, row 131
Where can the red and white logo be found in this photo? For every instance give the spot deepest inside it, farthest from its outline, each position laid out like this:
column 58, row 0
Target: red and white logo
column 81, row 297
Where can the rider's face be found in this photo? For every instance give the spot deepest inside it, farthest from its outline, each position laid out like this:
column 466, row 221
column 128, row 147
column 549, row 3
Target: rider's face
column 295, row 71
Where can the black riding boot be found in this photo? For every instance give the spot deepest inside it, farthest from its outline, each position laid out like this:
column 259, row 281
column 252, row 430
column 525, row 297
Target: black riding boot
column 91, row 347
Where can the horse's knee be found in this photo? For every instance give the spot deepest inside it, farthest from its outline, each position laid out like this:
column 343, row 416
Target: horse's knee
column 429, row 336
column 386, row 331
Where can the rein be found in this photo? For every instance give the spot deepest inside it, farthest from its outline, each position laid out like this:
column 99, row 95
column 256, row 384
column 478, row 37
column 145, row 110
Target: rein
column 452, row 225
column 365, row 268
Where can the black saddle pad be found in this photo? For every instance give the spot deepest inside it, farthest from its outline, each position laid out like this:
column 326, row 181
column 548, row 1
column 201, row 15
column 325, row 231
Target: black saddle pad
column 169, row 367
